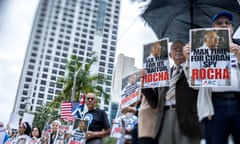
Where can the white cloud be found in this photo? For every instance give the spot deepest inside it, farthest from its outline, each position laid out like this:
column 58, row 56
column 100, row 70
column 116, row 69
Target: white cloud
column 133, row 33
column 16, row 22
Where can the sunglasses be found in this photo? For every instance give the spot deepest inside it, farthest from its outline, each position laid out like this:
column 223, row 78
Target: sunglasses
column 223, row 22
column 89, row 98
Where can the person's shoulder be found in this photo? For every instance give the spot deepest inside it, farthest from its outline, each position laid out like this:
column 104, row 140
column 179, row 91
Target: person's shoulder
column 202, row 47
column 236, row 41
column 100, row 110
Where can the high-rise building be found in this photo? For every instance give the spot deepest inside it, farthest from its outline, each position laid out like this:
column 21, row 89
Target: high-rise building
column 123, row 67
column 62, row 28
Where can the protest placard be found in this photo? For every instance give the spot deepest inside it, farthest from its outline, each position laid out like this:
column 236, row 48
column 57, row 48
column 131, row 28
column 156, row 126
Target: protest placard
column 80, row 128
column 210, row 64
column 156, row 64
column 62, row 130
column 131, row 89
column 14, row 121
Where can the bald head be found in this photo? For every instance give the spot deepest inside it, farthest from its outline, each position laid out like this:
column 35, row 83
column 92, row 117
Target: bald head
column 156, row 49
column 212, row 39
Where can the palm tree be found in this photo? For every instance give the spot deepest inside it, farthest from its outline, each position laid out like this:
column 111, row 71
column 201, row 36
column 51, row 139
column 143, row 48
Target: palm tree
column 85, row 82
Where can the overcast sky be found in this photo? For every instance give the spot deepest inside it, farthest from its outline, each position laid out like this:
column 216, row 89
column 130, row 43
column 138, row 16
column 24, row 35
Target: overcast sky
column 16, row 21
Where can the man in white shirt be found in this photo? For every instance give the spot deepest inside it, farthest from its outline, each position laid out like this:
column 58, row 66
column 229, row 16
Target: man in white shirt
column 219, row 108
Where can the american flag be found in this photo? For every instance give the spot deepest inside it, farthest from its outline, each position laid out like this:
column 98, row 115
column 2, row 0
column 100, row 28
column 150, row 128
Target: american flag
column 66, row 111
column 72, row 110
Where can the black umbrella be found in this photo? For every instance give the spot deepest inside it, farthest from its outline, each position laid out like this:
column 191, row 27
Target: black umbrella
column 174, row 18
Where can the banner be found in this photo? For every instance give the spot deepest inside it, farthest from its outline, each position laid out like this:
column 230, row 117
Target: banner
column 156, row 64
column 131, row 89
column 210, row 64
column 27, row 117
column 122, row 123
column 62, row 130
column 80, row 128
column 14, row 121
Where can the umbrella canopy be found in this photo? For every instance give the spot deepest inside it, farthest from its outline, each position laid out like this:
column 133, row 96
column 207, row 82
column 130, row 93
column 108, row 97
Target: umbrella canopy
column 174, row 18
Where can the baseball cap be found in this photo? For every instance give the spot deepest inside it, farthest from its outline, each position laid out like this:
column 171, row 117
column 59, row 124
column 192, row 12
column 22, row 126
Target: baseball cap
column 223, row 13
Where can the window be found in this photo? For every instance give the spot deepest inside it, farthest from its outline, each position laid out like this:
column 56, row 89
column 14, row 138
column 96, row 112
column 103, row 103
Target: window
column 44, row 76
column 26, row 86
column 25, row 92
column 54, row 71
column 56, row 59
column 49, row 51
column 59, row 86
column 29, row 73
column 28, row 79
column 102, row 64
column 43, row 82
column 55, row 65
column 22, row 106
column 49, row 97
column 46, row 63
column 108, row 90
column 61, row 73
column 103, row 52
column 111, row 59
column 101, row 69
column 51, row 84
column 40, row 95
column 110, row 65
column 103, row 58
column 50, row 90
column 39, row 102
column 45, row 69
column 53, row 78
column 42, row 89
column 109, row 71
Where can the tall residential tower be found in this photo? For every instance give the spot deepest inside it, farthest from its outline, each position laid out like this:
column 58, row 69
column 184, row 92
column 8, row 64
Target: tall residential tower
column 62, row 28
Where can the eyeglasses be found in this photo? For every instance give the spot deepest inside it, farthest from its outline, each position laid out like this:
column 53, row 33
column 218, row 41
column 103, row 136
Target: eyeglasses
column 90, row 98
column 223, row 22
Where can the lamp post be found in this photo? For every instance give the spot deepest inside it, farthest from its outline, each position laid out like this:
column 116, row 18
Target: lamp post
column 74, row 84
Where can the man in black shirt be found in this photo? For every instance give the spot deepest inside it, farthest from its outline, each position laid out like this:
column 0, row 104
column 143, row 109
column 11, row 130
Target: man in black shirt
column 99, row 126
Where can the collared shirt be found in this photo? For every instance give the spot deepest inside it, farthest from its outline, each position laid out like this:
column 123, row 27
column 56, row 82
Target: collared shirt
column 235, row 83
column 172, row 101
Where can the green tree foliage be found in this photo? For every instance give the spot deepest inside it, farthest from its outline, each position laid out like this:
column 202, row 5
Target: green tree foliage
column 44, row 115
column 109, row 140
column 85, row 82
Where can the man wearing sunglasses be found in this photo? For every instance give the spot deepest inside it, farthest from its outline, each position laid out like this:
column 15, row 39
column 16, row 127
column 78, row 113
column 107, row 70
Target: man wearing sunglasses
column 98, row 123
column 219, row 107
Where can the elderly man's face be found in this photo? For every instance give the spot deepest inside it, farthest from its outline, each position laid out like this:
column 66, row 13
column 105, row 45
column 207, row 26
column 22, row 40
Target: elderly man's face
column 212, row 40
column 223, row 22
column 156, row 49
column 91, row 101
column 176, row 53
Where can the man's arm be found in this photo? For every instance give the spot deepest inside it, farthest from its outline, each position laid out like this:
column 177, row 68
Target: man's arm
column 100, row 134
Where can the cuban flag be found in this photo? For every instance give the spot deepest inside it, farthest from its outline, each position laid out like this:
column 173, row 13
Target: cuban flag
column 78, row 107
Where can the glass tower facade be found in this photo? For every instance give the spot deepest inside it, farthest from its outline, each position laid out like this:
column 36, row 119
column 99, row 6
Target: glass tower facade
column 62, row 28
